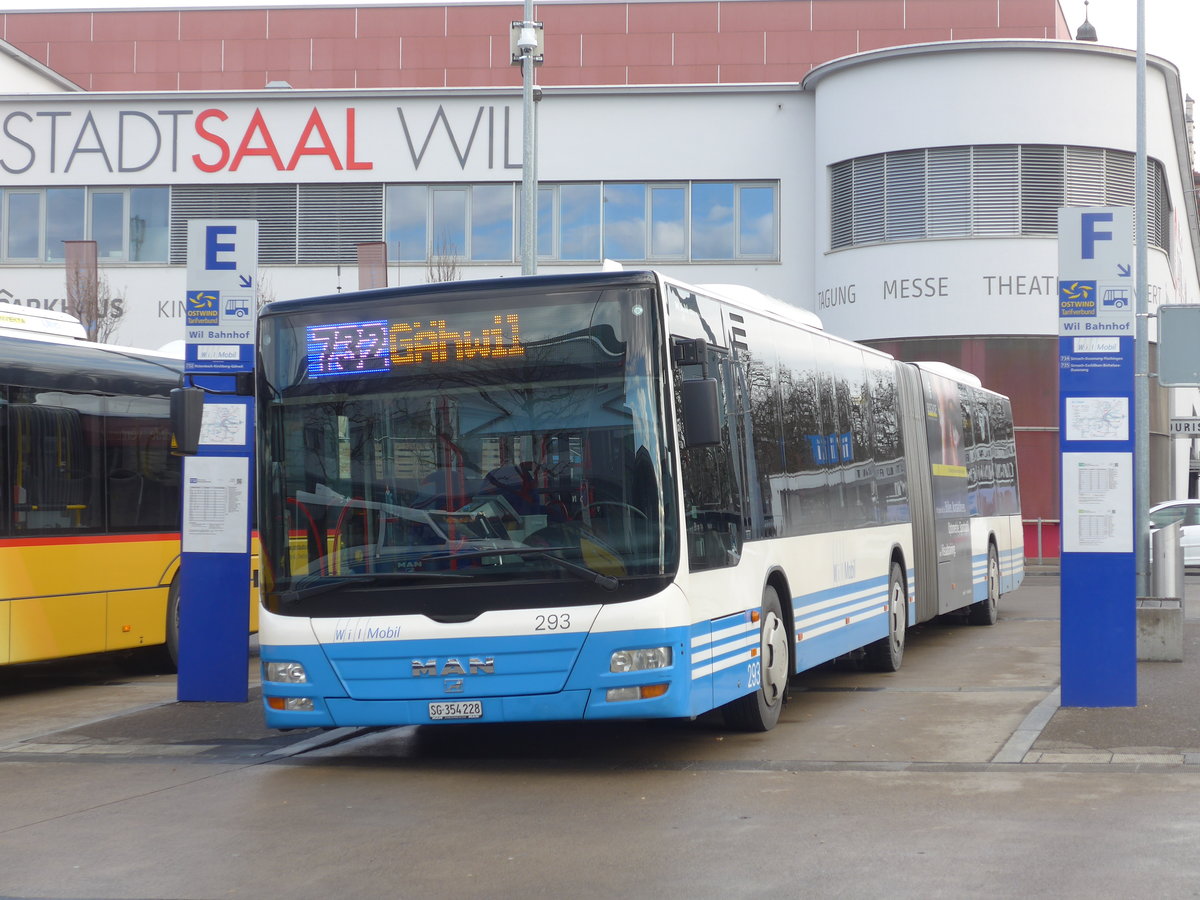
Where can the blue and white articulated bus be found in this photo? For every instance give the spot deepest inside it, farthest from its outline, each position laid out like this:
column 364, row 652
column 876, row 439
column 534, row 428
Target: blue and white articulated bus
column 605, row 496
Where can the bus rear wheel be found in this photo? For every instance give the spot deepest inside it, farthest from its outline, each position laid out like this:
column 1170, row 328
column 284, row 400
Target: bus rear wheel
column 759, row 710
column 886, row 654
column 986, row 610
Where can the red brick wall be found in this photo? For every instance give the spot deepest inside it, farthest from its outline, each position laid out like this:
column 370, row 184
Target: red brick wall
column 707, row 41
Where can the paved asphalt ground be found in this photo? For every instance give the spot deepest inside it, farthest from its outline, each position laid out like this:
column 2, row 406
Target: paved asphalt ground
column 1163, row 729
column 958, row 776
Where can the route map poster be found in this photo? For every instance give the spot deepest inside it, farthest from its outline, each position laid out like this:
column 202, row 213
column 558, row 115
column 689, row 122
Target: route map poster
column 1097, row 418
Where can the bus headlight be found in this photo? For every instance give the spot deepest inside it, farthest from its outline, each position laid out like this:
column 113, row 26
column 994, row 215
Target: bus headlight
column 640, row 660
column 285, row 673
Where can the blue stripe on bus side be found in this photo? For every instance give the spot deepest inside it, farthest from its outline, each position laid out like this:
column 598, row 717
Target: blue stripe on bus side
column 722, row 651
column 833, row 622
column 1012, row 569
column 979, row 565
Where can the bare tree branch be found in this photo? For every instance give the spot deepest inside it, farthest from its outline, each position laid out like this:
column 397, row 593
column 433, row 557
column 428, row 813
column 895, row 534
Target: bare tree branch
column 444, row 262
column 91, row 300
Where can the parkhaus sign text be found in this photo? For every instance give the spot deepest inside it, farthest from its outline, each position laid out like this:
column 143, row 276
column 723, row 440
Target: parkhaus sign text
column 110, row 142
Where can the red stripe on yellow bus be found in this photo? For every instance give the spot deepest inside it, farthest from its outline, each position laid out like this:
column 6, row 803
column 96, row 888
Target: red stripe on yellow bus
column 76, row 540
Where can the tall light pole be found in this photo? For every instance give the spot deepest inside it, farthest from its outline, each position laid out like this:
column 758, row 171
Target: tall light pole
column 526, row 45
column 1141, row 450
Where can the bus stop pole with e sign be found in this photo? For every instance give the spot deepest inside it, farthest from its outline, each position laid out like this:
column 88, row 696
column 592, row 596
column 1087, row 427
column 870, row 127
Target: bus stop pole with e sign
column 1096, row 328
column 214, row 579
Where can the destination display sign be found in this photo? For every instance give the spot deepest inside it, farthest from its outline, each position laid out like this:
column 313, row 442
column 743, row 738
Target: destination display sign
column 350, row 349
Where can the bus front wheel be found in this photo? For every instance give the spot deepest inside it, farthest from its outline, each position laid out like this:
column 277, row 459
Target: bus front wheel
column 759, row 710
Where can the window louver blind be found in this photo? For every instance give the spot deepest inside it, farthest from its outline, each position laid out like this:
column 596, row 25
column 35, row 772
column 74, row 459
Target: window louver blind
column 273, row 205
column 992, row 190
column 336, row 218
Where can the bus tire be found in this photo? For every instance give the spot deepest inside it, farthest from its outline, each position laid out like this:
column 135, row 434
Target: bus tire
column 172, row 645
column 985, row 611
column 163, row 658
column 759, row 710
column 887, row 653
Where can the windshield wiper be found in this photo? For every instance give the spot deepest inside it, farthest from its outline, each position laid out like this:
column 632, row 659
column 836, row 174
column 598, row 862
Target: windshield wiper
column 608, row 582
column 353, row 582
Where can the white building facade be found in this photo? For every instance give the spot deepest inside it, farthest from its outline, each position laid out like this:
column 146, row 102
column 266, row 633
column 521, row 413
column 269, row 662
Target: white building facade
column 907, row 196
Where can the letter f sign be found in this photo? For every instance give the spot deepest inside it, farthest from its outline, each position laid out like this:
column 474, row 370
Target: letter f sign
column 1089, row 235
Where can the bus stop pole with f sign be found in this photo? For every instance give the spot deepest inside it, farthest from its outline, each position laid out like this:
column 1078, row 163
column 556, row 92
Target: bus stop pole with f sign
column 1096, row 438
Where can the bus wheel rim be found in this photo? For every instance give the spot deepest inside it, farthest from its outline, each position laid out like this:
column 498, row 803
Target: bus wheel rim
column 775, row 657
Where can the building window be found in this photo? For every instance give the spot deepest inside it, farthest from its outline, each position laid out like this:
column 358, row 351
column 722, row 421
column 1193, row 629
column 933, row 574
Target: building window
column 624, row 208
column 127, row 224
column 64, row 221
column 405, row 223
column 108, row 224
column 1001, row 190
column 578, row 221
column 668, row 222
column 149, row 224
column 712, row 221
column 758, row 222
column 586, row 222
column 491, row 223
column 23, row 225
column 323, row 224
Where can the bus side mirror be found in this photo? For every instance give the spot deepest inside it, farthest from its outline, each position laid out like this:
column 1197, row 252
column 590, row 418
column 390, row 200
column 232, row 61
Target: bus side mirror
column 701, row 413
column 187, row 411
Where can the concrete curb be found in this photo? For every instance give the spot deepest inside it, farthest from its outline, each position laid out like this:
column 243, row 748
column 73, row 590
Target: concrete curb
column 1028, row 731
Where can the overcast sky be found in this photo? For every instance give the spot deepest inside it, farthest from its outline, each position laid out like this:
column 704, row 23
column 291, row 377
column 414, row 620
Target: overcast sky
column 1172, row 30
column 1172, row 26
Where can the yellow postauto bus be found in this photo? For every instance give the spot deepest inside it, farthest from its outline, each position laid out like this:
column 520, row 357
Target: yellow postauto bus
column 89, row 510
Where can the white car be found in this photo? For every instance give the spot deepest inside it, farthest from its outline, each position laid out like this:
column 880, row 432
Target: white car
column 1187, row 513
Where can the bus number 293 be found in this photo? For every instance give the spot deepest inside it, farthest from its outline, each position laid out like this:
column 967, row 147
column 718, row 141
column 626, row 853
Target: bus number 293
column 553, row 622
column 754, row 675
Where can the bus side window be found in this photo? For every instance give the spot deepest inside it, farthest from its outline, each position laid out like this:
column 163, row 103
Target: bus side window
column 712, row 504
column 52, row 449
column 142, row 476
column 7, row 484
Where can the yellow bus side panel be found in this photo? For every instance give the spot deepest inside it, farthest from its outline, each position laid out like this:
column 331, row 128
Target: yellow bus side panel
column 48, row 628
column 5, row 612
column 59, row 590
column 49, row 566
column 136, row 618
column 67, row 596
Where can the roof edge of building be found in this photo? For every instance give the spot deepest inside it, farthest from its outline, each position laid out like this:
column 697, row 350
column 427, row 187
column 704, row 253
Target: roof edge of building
column 826, row 69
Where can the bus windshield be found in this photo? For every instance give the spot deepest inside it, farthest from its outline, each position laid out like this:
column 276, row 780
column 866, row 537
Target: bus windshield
column 446, row 455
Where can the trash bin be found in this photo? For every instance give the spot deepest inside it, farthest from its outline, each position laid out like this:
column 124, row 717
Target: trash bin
column 1166, row 562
